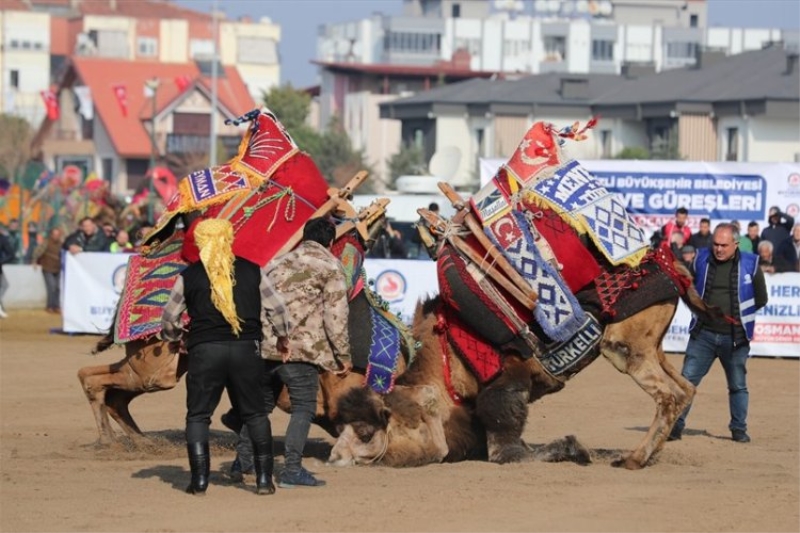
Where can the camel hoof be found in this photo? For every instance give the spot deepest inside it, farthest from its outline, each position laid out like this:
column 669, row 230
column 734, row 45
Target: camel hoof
column 627, row 462
column 514, row 453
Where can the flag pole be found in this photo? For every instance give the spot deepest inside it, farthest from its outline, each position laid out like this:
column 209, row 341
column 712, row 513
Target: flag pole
column 212, row 156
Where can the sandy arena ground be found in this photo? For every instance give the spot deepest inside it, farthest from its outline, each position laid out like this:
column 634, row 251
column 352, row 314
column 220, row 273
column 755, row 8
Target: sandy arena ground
column 54, row 477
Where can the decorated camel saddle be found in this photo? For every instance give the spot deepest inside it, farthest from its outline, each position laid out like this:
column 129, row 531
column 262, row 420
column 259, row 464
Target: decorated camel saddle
column 540, row 259
column 268, row 191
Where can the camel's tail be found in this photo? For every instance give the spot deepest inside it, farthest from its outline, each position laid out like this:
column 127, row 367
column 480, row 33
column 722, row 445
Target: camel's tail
column 107, row 341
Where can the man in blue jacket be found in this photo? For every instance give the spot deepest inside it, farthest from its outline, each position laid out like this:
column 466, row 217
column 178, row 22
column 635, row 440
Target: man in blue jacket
column 732, row 281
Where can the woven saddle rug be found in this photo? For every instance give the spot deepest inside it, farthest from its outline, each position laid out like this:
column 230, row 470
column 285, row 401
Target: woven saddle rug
column 620, row 292
column 591, row 209
column 378, row 339
column 557, row 311
column 148, row 283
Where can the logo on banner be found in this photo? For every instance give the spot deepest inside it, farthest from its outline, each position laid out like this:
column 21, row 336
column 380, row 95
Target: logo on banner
column 391, row 285
column 794, row 180
column 793, row 210
column 118, row 278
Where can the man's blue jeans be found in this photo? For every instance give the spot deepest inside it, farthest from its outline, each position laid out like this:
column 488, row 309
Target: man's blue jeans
column 302, row 379
column 700, row 354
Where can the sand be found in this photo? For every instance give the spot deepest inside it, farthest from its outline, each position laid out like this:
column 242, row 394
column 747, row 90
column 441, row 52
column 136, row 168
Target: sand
column 55, row 478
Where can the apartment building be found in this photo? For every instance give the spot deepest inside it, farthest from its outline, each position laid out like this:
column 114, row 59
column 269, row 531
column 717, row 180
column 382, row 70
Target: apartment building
column 511, row 38
column 744, row 107
column 39, row 37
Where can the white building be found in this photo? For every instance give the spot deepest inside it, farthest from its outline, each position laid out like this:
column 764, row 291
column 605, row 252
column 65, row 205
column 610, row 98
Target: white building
column 362, row 59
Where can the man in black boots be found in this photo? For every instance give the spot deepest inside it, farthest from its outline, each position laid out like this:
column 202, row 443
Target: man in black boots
column 224, row 295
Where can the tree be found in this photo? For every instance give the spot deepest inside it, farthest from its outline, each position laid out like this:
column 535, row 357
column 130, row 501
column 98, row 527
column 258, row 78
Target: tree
column 633, row 152
column 331, row 150
column 15, row 146
column 410, row 160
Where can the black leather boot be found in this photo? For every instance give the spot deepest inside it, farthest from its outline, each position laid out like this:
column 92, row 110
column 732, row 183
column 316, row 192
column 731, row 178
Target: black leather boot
column 264, row 463
column 200, row 465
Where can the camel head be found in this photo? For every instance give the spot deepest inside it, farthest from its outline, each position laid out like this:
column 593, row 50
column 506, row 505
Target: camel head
column 403, row 428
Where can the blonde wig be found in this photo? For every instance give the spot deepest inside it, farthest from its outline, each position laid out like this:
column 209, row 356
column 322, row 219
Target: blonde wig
column 214, row 238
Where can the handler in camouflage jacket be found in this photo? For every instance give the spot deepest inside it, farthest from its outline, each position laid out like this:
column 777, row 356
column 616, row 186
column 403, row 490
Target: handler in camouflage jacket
column 312, row 282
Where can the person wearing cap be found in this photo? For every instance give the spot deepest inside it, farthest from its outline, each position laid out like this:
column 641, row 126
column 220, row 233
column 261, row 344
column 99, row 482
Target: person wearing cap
column 224, row 296
column 687, row 256
column 732, row 281
column 313, row 284
column 779, row 227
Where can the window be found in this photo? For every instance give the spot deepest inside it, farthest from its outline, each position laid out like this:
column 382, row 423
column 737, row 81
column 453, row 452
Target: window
column 555, row 48
column 602, row 50
column 108, row 168
column 13, row 80
column 732, row 153
column 201, row 48
column 516, row 47
column 682, row 50
column 605, row 144
column 412, row 42
column 456, row 11
column 147, row 46
column 692, row 21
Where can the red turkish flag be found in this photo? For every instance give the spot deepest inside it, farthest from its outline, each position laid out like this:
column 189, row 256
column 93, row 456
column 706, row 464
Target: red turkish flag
column 51, row 103
column 121, row 92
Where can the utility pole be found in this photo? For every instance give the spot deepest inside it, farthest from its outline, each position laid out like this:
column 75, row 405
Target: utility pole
column 212, row 155
column 152, row 85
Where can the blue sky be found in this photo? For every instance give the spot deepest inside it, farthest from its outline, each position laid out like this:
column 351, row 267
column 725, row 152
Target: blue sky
column 299, row 20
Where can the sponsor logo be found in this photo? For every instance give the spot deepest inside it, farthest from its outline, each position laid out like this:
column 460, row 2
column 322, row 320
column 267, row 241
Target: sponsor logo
column 118, row 278
column 793, row 180
column 391, row 285
column 793, row 210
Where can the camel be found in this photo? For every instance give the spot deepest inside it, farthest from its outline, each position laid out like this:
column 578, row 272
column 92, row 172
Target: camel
column 542, row 221
column 439, row 411
column 152, row 365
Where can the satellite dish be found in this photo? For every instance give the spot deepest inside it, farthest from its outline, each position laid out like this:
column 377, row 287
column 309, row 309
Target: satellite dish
column 606, row 8
column 582, row 6
column 442, row 167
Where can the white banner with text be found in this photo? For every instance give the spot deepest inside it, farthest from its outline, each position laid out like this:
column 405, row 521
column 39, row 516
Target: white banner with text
column 91, row 286
column 94, row 281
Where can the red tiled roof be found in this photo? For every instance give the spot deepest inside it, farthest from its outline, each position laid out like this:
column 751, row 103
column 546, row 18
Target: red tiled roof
column 128, row 133
column 157, row 9
column 405, row 70
column 14, row 5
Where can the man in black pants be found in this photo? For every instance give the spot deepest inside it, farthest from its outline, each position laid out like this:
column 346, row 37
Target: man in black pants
column 224, row 296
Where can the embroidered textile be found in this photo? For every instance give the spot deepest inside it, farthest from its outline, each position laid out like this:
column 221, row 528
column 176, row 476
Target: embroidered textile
column 148, row 283
column 383, row 353
column 557, row 311
column 569, row 357
column 591, row 209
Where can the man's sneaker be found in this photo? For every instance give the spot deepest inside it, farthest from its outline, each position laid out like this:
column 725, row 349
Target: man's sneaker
column 302, row 478
column 739, row 435
column 237, row 474
column 675, row 434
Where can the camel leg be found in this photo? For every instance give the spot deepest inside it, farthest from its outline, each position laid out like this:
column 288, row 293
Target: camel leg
column 92, row 380
column 117, row 403
column 641, row 362
column 685, row 388
column 502, row 407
